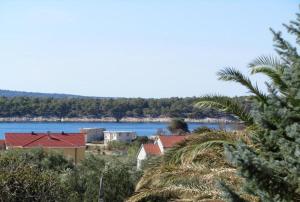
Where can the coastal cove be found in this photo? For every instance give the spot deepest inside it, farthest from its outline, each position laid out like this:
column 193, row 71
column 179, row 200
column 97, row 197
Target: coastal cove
column 142, row 129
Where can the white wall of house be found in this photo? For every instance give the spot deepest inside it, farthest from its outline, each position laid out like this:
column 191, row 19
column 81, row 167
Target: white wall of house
column 93, row 134
column 122, row 136
column 160, row 145
column 142, row 155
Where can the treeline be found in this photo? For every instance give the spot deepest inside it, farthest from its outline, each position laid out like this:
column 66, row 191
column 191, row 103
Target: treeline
column 101, row 108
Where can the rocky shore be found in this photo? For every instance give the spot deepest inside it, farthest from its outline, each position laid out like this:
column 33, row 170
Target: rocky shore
column 109, row 119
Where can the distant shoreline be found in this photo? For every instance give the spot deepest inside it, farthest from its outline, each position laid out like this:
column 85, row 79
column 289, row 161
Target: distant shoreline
column 110, row 119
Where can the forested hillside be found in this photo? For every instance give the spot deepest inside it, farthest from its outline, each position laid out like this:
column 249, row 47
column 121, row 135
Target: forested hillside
column 12, row 93
column 99, row 108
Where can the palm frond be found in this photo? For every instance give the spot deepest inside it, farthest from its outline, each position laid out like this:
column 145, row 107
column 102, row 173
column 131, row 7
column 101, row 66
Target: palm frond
column 225, row 104
column 266, row 61
column 193, row 183
column 186, row 152
column 231, row 74
column 189, row 171
column 272, row 68
column 164, row 192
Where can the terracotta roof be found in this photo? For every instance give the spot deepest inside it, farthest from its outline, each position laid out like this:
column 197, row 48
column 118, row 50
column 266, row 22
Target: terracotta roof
column 2, row 142
column 170, row 140
column 55, row 140
column 152, row 149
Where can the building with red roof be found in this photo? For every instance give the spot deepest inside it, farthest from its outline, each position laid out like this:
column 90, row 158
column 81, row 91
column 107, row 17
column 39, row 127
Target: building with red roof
column 152, row 149
column 2, row 145
column 168, row 141
column 161, row 143
column 71, row 145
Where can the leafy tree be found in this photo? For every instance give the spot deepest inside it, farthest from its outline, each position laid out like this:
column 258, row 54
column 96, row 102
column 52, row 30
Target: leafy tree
column 117, row 112
column 118, row 183
column 26, row 183
column 178, row 126
column 28, row 176
column 36, row 175
column 118, row 179
column 44, row 160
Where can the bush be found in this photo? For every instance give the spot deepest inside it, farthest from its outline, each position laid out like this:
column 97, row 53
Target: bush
column 117, row 145
column 36, row 175
column 33, row 175
column 202, row 129
column 178, row 127
column 119, row 179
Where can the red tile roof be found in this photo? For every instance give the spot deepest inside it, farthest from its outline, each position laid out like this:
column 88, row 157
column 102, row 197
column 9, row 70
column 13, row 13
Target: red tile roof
column 152, row 149
column 54, row 140
column 2, row 143
column 170, row 140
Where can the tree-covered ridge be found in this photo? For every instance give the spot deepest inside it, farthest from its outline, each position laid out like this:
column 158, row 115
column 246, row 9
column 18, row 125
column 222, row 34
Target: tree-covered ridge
column 99, row 108
column 13, row 93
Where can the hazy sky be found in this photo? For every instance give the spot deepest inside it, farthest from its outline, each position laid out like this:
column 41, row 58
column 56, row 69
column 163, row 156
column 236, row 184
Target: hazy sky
column 134, row 48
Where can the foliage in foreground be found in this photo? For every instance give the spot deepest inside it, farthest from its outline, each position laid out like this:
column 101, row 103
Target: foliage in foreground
column 271, row 168
column 35, row 175
column 119, row 178
column 189, row 171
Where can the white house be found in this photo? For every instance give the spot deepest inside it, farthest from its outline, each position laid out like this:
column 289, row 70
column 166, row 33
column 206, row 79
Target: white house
column 122, row 136
column 146, row 151
column 161, row 144
column 93, row 134
column 167, row 141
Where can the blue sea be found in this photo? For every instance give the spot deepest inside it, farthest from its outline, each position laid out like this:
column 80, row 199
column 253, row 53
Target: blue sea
column 142, row 129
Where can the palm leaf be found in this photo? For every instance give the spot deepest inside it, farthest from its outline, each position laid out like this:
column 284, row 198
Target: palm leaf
column 225, row 104
column 165, row 192
column 231, row 74
column 272, row 68
column 189, row 171
column 186, row 152
column 267, row 61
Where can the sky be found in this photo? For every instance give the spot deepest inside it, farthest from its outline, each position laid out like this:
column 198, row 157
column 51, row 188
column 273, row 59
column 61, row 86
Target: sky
column 134, row 48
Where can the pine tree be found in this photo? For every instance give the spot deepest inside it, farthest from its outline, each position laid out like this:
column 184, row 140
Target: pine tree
column 271, row 167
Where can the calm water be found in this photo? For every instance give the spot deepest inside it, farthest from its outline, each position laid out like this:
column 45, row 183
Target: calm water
column 140, row 128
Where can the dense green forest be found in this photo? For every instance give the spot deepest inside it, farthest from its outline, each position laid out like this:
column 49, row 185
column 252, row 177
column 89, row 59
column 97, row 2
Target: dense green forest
column 99, row 108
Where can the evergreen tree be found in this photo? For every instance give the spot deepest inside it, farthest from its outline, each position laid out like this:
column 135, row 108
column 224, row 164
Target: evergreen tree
column 271, row 167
